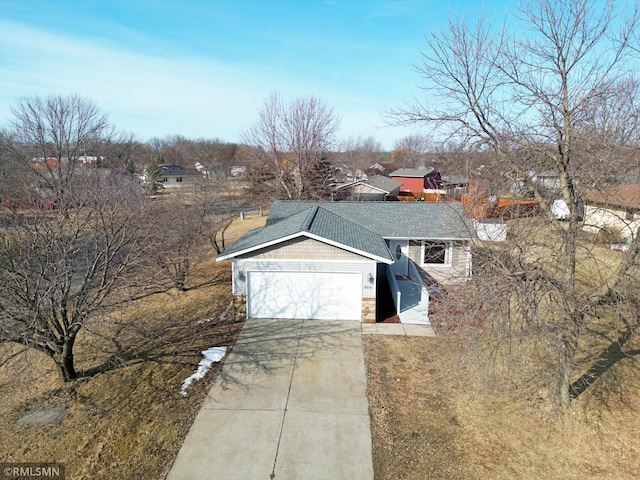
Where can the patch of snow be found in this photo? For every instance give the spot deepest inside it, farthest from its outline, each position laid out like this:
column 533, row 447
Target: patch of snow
column 211, row 356
column 619, row 247
column 204, row 320
column 560, row 210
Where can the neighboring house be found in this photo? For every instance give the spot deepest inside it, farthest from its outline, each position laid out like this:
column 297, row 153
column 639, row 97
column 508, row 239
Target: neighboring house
column 616, row 209
column 417, row 180
column 345, row 173
column 176, row 176
column 376, row 188
column 547, row 181
column 379, row 169
column 42, row 163
column 89, row 159
column 238, row 170
column 330, row 260
column 454, row 184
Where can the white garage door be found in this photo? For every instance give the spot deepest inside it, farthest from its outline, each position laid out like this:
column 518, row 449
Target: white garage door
column 312, row 295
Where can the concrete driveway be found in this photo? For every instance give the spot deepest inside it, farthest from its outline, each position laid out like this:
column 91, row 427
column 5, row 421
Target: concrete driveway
column 289, row 404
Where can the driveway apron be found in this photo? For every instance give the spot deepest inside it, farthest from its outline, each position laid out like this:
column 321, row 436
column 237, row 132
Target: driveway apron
column 289, row 404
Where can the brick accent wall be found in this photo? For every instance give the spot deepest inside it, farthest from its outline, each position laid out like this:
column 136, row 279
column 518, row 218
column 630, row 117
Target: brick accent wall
column 239, row 307
column 369, row 310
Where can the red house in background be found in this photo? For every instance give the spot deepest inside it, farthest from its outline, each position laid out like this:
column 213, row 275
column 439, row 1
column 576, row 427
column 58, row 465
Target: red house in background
column 416, row 180
column 47, row 163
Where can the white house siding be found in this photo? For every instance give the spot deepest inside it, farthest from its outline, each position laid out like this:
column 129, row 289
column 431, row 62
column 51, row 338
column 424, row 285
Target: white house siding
column 597, row 218
column 457, row 271
column 366, row 268
column 366, row 192
column 178, row 181
column 366, row 189
column 172, row 182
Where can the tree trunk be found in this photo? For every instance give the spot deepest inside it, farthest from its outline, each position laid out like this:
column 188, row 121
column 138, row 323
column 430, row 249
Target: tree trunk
column 561, row 395
column 64, row 361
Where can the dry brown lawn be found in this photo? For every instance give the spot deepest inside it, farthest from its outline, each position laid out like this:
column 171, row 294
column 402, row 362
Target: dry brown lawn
column 437, row 414
column 432, row 418
column 240, row 227
column 126, row 418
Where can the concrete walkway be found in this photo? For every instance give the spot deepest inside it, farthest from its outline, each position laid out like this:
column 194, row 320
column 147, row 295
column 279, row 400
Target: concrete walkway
column 407, row 329
column 289, row 404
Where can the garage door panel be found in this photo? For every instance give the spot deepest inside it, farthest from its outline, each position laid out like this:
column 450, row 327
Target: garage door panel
column 302, row 295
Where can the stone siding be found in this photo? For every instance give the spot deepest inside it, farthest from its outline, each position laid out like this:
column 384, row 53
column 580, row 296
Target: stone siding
column 368, row 310
column 239, row 307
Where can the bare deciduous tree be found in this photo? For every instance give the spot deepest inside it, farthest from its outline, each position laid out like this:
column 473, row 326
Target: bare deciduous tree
column 290, row 142
column 58, row 268
column 61, row 128
column 179, row 227
column 214, row 156
column 539, row 92
column 411, row 151
column 218, row 202
column 359, row 153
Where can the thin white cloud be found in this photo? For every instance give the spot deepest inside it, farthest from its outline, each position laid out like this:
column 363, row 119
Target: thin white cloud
column 153, row 95
column 194, row 96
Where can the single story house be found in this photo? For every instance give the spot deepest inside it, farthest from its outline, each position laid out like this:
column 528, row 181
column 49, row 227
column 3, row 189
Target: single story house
column 547, row 181
column 417, row 180
column 379, row 169
column 348, row 173
column 376, row 188
column 616, row 209
column 175, row 176
column 328, row 260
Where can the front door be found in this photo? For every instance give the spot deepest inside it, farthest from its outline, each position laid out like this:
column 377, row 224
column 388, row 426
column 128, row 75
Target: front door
column 400, row 251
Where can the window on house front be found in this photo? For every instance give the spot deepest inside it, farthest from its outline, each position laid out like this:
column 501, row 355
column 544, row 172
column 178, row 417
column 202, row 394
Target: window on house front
column 178, row 179
column 436, row 253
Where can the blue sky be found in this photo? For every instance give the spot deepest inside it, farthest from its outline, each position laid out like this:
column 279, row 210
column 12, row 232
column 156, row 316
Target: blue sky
column 203, row 68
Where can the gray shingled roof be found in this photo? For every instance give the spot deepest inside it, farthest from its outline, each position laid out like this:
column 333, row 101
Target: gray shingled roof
column 413, row 220
column 172, row 170
column 356, row 226
column 383, row 183
column 454, row 178
column 315, row 221
column 412, row 172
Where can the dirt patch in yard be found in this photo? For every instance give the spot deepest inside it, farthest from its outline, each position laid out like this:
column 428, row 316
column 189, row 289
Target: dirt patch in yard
column 432, row 419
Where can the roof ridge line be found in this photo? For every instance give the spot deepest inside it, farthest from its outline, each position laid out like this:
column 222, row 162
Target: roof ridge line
column 310, row 217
